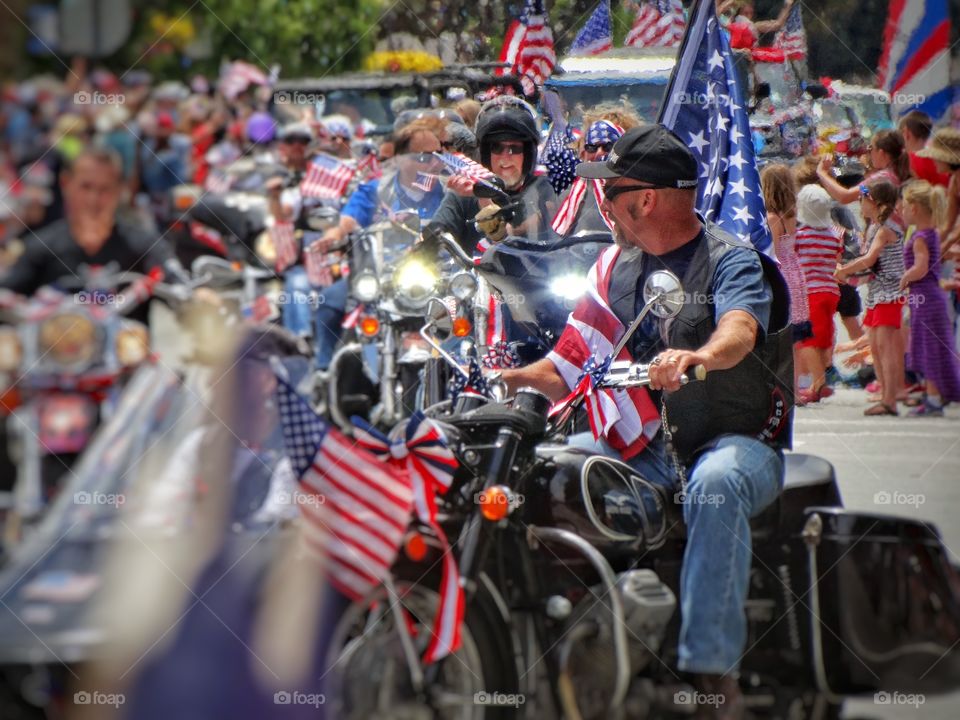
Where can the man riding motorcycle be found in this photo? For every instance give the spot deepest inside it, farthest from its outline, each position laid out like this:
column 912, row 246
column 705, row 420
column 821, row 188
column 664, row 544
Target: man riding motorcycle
column 725, row 434
column 393, row 194
column 508, row 136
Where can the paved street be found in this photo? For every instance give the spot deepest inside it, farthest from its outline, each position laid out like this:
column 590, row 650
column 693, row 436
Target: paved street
column 916, row 456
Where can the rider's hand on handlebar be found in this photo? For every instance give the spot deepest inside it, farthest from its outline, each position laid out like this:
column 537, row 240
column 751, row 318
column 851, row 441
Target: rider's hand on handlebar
column 668, row 366
column 462, row 186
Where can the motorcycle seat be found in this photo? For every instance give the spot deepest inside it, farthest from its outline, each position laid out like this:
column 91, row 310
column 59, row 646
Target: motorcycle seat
column 808, row 481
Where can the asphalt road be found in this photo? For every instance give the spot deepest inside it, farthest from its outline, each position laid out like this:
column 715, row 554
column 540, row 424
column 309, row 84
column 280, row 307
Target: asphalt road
column 901, row 466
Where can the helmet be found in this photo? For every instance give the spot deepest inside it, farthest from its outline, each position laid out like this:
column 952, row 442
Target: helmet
column 508, row 118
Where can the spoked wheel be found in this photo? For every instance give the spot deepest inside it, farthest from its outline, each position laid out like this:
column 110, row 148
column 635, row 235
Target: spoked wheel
column 370, row 675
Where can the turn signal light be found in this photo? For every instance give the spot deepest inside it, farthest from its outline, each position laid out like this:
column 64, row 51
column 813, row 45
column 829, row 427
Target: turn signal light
column 369, row 325
column 415, row 547
column 237, row 266
column 496, row 502
column 461, row 327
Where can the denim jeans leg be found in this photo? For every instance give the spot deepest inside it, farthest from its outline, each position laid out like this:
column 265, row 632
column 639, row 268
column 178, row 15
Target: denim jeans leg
column 726, row 487
column 330, row 312
column 295, row 308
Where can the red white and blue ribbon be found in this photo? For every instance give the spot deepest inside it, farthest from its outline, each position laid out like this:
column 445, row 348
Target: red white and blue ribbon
column 594, row 398
column 423, row 452
column 500, row 356
column 473, row 384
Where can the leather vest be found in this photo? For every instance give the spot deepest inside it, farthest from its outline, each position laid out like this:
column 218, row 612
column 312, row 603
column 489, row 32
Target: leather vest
column 754, row 397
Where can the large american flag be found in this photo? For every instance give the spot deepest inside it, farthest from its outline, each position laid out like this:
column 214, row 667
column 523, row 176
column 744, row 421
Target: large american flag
column 459, row 164
column 355, row 508
column 326, row 178
column 704, row 107
column 528, row 46
column 792, row 38
column 237, row 76
column 596, row 36
column 659, row 23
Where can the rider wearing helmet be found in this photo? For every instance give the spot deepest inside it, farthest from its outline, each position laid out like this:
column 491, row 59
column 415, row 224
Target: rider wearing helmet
column 508, row 135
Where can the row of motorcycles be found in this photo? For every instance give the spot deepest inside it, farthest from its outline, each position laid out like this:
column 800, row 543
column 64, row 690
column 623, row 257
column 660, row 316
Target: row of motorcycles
column 569, row 562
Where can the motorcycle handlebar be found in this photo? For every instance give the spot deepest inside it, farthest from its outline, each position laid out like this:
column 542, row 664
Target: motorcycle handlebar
column 631, row 375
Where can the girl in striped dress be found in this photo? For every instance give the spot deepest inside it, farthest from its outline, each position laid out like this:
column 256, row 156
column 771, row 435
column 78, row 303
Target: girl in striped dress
column 931, row 346
column 883, row 253
column 818, row 247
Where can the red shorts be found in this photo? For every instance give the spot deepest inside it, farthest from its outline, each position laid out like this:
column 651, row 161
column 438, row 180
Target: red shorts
column 884, row 315
column 823, row 306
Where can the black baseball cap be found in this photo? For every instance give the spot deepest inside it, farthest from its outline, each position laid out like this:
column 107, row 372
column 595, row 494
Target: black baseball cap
column 649, row 153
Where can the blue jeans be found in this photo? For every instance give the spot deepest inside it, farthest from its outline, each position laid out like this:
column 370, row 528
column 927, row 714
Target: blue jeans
column 330, row 312
column 726, row 487
column 295, row 310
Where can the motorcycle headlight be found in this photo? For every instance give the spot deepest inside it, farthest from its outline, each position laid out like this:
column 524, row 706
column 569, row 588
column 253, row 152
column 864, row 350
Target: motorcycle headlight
column 132, row 344
column 463, row 285
column 569, row 287
column 68, row 339
column 11, row 352
column 415, row 282
column 366, row 287
column 265, row 249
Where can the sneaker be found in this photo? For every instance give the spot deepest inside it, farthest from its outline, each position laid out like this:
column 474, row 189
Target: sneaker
column 927, row 409
column 832, row 376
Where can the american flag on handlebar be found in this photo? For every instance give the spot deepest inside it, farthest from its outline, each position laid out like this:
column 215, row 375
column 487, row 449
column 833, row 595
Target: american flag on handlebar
column 327, row 178
column 459, row 164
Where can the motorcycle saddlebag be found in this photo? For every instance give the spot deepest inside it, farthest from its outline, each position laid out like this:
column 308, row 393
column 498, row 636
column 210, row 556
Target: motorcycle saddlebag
column 885, row 604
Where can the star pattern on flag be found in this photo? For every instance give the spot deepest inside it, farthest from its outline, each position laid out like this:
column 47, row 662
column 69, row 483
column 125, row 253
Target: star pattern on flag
column 596, row 36
column 705, row 108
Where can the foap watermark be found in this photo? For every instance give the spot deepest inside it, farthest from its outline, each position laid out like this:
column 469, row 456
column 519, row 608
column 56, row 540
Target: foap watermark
column 83, row 97
column 899, row 698
column 312, row 300
column 682, row 497
column 701, row 298
column 99, row 498
column 692, row 698
column 300, row 498
column 85, row 697
column 282, row 697
column 499, row 699
column 900, row 99
column 98, row 297
column 885, row 497
column 509, row 498
column 704, row 100
column 295, row 97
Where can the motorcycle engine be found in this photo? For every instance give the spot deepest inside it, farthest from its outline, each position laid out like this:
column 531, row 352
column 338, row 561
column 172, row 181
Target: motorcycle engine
column 648, row 605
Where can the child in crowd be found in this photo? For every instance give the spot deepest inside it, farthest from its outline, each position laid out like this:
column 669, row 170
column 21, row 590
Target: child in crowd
column 931, row 346
column 883, row 254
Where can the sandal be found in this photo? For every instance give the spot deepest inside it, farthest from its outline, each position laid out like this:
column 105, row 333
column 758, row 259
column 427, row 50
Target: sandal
column 825, row 391
column 880, row 409
column 806, row 397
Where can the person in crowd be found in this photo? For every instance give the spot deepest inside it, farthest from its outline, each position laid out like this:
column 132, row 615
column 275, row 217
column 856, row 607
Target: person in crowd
column 916, row 127
column 944, row 150
column 931, row 351
column 468, row 109
column 780, row 198
column 883, row 257
column 888, row 161
column 334, row 135
column 744, row 30
column 818, row 247
column 508, row 135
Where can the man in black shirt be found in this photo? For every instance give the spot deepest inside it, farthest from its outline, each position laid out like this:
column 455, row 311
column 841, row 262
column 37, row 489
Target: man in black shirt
column 89, row 234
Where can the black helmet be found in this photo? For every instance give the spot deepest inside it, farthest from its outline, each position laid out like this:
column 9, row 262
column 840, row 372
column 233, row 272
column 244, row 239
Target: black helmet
column 508, row 118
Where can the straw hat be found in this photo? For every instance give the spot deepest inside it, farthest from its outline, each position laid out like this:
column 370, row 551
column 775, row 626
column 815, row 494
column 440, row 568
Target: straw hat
column 943, row 146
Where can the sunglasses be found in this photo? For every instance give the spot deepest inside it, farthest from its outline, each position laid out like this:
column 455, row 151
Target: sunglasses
column 501, row 148
column 424, row 158
column 590, row 147
column 612, row 192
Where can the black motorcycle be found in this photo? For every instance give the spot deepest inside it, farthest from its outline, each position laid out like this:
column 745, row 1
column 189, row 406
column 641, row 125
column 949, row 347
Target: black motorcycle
column 570, row 563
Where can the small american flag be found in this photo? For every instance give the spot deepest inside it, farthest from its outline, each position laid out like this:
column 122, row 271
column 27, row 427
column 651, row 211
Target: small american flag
column 459, row 164
column 318, row 265
column 425, row 181
column 326, row 178
column 237, row 76
column 356, row 509
column 596, row 36
column 369, row 167
column 659, row 23
column 792, row 38
column 217, row 182
column 285, row 244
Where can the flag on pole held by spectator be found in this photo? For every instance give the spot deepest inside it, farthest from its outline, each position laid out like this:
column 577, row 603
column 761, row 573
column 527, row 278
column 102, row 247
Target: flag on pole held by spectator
column 355, row 508
column 658, row 23
column 459, row 164
column 285, row 244
column 237, row 76
column 915, row 62
column 792, row 38
column 528, row 47
column 596, row 36
column 705, row 108
column 326, row 178
column 368, row 167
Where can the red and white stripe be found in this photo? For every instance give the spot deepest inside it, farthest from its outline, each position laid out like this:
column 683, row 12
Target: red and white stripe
column 359, row 514
column 327, row 178
column 285, row 244
column 238, row 76
column 536, row 58
column 818, row 250
column 566, row 216
column 511, row 46
column 628, row 419
column 653, row 28
column 318, row 266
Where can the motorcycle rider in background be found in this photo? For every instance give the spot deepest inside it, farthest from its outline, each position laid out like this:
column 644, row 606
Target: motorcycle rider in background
column 393, row 194
column 734, row 331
